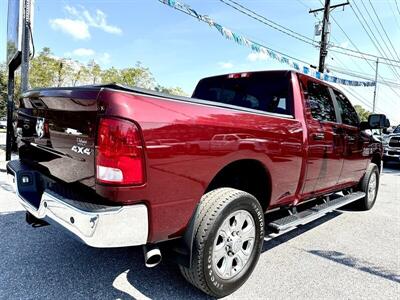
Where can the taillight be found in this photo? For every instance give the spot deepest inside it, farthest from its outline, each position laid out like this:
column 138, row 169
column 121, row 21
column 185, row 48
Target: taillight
column 119, row 155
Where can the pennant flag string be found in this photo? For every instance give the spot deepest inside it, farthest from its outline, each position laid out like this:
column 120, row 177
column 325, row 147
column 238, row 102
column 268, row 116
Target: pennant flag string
column 256, row 47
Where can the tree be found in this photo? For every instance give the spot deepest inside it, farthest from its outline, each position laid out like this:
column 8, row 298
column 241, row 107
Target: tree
column 3, row 90
column 171, row 90
column 48, row 70
column 111, row 75
column 362, row 112
column 137, row 76
column 94, row 72
column 43, row 70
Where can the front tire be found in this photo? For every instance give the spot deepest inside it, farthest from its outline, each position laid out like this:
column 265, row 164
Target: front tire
column 369, row 184
column 229, row 234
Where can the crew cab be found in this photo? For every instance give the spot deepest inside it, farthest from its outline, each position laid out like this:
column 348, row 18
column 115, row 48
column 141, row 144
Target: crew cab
column 194, row 179
column 391, row 144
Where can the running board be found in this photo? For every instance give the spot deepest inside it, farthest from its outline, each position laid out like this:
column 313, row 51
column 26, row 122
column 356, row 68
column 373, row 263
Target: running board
column 313, row 213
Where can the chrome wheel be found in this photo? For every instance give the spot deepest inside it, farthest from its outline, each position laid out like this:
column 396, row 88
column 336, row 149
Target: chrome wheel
column 233, row 244
column 372, row 185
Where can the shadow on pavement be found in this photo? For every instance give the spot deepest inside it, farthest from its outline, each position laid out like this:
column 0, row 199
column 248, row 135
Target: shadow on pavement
column 392, row 168
column 354, row 262
column 44, row 263
column 287, row 236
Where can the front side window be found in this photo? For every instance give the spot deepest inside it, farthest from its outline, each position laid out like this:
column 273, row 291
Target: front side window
column 320, row 102
column 347, row 111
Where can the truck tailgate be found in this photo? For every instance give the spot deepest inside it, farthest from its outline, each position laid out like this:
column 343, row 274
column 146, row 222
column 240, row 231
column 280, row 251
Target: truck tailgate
column 57, row 129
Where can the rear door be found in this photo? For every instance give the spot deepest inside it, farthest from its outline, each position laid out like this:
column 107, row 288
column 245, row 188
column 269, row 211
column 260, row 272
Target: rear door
column 58, row 132
column 325, row 146
column 354, row 161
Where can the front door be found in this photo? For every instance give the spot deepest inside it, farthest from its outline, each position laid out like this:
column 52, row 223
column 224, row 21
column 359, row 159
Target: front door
column 325, row 143
column 355, row 160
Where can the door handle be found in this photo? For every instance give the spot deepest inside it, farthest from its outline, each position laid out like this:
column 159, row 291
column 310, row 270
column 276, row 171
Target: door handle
column 318, row 136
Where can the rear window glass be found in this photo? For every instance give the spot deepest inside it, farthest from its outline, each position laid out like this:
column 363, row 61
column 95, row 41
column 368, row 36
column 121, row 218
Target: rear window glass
column 269, row 92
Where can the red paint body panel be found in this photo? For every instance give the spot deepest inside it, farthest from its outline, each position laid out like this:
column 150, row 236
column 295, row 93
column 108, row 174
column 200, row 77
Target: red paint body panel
column 187, row 142
column 182, row 158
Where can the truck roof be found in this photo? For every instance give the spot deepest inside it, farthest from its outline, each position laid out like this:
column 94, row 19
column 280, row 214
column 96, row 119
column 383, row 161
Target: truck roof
column 272, row 71
column 65, row 91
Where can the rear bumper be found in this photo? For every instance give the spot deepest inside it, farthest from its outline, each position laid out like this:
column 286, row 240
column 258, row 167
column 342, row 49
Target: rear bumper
column 98, row 226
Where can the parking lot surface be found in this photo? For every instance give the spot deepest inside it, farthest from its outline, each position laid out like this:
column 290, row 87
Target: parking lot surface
column 345, row 255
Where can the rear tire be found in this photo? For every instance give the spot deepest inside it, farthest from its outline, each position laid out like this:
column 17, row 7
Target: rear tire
column 369, row 184
column 229, row 235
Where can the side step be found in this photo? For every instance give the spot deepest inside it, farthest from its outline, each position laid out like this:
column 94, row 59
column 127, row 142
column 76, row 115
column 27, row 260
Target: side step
column 313, row 213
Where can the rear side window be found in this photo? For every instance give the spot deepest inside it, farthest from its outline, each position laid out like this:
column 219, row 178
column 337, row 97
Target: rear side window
column 347, row 111
column 269, row 92
column 320, row 102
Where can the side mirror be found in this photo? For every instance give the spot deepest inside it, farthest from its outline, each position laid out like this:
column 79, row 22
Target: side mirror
column 375, row 121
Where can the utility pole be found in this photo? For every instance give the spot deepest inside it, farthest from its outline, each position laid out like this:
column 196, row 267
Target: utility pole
column 324, row 37
column 23, row 61
column 10, row 109
column 376, row 85
column 323, row 52
column 26, row 40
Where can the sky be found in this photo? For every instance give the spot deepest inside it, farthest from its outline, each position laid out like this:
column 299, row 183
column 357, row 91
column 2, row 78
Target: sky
column 179, row 50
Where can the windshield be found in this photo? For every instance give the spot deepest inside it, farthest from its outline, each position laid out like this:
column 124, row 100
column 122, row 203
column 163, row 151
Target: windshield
column 265, row 91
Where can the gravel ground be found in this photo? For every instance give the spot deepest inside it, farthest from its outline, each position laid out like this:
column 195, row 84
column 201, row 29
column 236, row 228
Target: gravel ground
column 345, row 255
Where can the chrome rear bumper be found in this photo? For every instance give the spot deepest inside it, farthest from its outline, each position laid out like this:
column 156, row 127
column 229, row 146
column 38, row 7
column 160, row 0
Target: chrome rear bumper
column 98, row 226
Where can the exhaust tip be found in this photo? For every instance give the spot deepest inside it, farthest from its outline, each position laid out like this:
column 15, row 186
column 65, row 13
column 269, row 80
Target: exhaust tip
column 152, row 257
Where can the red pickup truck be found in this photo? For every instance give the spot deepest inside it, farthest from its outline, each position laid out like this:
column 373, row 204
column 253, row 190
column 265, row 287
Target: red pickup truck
column 193, row 178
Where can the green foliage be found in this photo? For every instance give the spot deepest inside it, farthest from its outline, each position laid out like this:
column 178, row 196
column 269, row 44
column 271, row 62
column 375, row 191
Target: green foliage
column 3, row 90
column 111, row 75
column 172, row 91
column 43, row 70
column 362, row 112
column 47, row 70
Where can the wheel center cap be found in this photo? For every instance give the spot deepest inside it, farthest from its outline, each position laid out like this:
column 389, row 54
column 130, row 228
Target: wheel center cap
column 236, row 245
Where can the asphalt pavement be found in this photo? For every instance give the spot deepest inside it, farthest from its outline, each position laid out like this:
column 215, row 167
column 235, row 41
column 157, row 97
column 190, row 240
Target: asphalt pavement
column 345, row 255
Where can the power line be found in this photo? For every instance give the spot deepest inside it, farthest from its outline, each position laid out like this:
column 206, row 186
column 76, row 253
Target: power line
column 362, row 56
column 351, row 58
column 302, row 3
column 258, row 44
column 360, row 98
column 361, row 75
column 260, row 18
column 369, row 35
column 387, row 36
column 394, row 14
column 254, row 15
column 243, row 40
column 373, row 57
column 378, row 31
